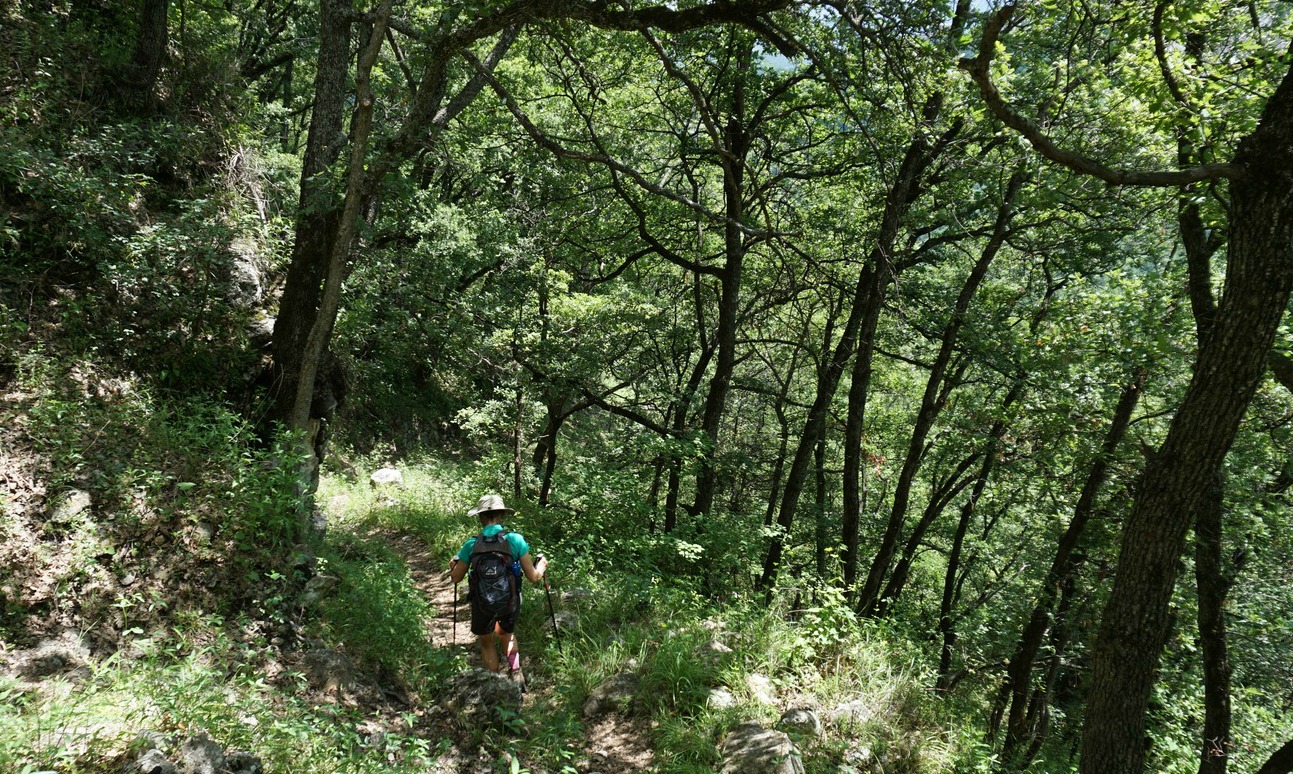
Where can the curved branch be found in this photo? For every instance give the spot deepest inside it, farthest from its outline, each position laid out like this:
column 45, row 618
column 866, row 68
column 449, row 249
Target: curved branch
column 978, row 70
column 560, row 151
column 1160, row 53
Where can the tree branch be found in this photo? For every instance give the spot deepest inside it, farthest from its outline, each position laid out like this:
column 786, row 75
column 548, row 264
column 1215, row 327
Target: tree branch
column 978, row 70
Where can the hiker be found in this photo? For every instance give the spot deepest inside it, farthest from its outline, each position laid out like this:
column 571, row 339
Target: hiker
column 495, row 599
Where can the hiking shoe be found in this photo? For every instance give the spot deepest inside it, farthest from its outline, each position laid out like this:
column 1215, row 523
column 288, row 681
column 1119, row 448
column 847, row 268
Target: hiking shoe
column 514, row 660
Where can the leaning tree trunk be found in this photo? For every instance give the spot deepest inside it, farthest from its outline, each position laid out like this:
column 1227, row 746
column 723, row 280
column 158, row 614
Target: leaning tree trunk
column 1174, row 489
column 871, row 600
column 1280, row 762
column 858, row 334
column 318, row 212
column 1019, row 670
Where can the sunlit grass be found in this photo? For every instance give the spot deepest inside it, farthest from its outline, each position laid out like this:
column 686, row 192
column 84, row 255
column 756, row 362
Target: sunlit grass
column 204, row 677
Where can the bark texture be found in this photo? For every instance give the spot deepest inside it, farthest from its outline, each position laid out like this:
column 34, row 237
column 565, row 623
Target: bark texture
column 1175, row 488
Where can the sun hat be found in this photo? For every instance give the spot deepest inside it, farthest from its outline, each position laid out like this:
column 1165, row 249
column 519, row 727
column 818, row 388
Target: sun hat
column 490, row 504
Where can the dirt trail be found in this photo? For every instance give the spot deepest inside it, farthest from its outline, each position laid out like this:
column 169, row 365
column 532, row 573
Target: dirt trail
column 611, row 743
column 430, row 575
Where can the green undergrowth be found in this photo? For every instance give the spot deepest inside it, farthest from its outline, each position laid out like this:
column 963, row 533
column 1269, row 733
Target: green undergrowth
column 231, row 666
column 199, row 681
column 689, row 649
column 182, row 584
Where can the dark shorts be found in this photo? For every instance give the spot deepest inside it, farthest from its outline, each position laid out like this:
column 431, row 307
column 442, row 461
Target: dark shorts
column 483, row 623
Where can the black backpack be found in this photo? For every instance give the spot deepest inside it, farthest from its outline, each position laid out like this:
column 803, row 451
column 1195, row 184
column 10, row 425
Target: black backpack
column 492, row 583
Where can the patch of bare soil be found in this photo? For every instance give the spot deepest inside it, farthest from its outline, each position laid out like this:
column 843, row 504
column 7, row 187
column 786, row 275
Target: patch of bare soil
column 615, row 743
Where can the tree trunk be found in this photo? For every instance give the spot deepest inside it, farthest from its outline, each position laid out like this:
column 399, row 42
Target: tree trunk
column 853, row 483
column 318, row 213
column 1280, row 762
column 1213, row 586
column 941, row 496
column 951, row 583
column 150, row 46
column 736, row 145
column 863, row 318
column 1210, row 581
column 932, row 402
column 1174, row 490
column 1019, row 669
column 821, row 534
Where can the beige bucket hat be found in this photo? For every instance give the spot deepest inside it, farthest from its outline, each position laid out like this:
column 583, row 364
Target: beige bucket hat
column 490, row 504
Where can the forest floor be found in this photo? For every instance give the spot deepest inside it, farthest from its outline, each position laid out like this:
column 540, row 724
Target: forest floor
column 611, row 743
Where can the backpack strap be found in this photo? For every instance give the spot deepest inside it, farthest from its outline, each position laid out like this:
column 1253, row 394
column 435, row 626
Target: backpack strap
column 485, row 544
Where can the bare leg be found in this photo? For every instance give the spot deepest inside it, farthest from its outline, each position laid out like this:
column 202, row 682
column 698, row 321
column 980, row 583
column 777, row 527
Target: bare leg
column 489, row 652
column 508, row 641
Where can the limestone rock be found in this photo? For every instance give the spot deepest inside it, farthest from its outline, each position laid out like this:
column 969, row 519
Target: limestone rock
column 243, row 763
column 802, row 721
column 716, row 647
column 478, row 695
column 245, row 288
column 576, row 596
column 721, row 698
column 261, row 332
column 761, row 688
column 855, row 712
column 51, row 657
column 567, row 621
column 616, row 693
column 329, row 670
column 200, row 755
column 386, row 477
column 69, row 505
column 753, row 749
column 152, row 762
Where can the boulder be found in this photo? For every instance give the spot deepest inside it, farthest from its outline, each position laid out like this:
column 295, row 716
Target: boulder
column 317, row 588
column 716, row 647
column 152, row 762
column 720, row 698
column 328, row 670
column 851, row 713
column 200, row 755
column 753, row 749
column 761, row 689
column 801, row 721
column 303, row 558
column 240, row 762
column 566, row 620
column 614, row 694
column 261, row 332
column 69, row 505
column 576, row 596
column 388, row 476
column 245, row 287
column 483, row 698
column 51, row 657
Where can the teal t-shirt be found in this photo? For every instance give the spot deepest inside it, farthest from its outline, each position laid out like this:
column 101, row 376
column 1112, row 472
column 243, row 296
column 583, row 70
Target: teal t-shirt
column 519, row 546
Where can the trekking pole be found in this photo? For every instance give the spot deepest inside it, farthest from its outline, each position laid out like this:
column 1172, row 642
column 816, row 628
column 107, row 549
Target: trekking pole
column 454, row 642
column 547, row 590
